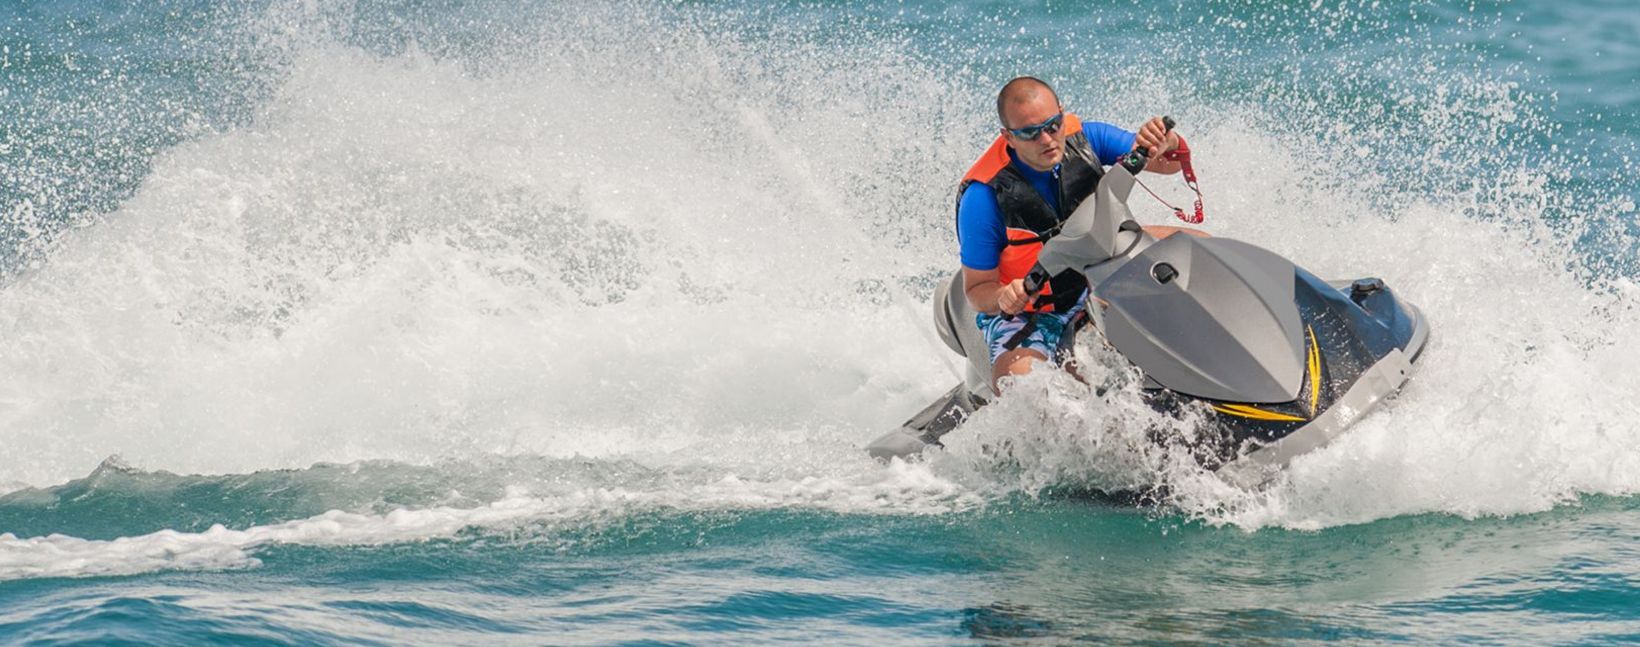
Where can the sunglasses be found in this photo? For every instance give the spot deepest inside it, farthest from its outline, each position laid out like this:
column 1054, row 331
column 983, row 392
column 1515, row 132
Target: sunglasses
column 1050, row 126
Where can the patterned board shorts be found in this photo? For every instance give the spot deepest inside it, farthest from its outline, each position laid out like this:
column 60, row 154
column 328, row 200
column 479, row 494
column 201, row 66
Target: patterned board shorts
column 1050, row 328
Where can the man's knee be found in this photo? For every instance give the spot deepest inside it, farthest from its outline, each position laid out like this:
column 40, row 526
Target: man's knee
column 1018, row 361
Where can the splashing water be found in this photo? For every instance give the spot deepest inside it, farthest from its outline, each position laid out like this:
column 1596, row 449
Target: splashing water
column 481, row 272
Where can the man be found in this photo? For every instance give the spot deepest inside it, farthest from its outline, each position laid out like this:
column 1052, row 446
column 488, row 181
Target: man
column 1044, row 163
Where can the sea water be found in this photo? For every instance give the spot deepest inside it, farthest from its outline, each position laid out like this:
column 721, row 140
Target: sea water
column 565, row 323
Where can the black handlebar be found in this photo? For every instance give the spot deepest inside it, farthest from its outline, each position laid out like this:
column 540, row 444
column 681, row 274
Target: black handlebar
column 1135, row 160
column 1036, row 280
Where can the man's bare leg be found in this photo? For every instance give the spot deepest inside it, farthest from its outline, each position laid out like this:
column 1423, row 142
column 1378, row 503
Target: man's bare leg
column 1163, row 231
column 1018, row 361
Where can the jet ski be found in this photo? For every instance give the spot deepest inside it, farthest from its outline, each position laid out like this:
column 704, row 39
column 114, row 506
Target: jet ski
column 1278, row 362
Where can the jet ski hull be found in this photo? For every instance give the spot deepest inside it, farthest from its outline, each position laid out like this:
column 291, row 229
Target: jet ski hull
column 1361, row 342
column 1278, row 362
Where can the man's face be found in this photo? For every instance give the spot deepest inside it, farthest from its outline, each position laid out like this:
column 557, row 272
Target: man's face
column 1043, row 151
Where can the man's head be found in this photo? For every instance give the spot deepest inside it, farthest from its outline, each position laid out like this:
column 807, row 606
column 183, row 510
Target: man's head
column 1025, row 104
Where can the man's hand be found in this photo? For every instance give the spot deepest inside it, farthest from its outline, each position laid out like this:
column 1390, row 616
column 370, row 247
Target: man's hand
column 988, row 294
column 1012, row 298
column 1155, row 137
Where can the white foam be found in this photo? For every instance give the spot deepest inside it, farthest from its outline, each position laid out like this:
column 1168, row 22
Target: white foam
column 406, row 259
column 898, row 489
column 671, row 240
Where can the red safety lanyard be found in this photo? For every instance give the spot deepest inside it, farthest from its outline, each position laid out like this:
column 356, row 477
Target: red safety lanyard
column 1182, row 156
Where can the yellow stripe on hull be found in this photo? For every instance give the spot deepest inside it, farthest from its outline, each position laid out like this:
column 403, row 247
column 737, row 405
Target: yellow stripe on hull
column 1313, row 364
column 1315, row 371
column 1255, row 413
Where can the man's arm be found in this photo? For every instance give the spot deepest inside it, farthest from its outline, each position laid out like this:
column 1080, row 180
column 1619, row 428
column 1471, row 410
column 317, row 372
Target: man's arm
column 1111, row 142
column 987, row 294
column 982, row 238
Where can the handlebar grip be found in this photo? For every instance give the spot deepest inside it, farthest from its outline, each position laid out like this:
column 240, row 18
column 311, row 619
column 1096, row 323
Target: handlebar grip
column 1135, row 161
column 1035, row 280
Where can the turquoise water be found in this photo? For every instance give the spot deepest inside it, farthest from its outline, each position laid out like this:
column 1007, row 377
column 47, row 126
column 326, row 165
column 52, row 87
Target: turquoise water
column 448, row 322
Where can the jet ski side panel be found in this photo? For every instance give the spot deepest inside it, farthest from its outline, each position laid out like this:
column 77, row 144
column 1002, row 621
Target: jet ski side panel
column 955, row 321
column 1375, row 384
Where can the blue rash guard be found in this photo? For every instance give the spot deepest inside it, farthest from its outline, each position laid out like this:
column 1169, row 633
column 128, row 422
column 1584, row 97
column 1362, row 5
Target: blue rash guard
column 980, row 230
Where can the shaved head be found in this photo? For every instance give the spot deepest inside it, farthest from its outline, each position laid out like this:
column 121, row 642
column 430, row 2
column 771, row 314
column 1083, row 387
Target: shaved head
column 1027, row 102
column 1022, row 90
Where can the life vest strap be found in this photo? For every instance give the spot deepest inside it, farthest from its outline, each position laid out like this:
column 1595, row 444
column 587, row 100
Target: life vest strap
column 1039, row 238
column 1023, row 333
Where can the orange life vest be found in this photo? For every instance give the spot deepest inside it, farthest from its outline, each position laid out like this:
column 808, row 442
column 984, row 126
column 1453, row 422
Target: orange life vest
column 1031, row 220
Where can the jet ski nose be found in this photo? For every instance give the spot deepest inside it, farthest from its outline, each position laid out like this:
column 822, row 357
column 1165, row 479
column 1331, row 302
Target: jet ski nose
column 1209, row 317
